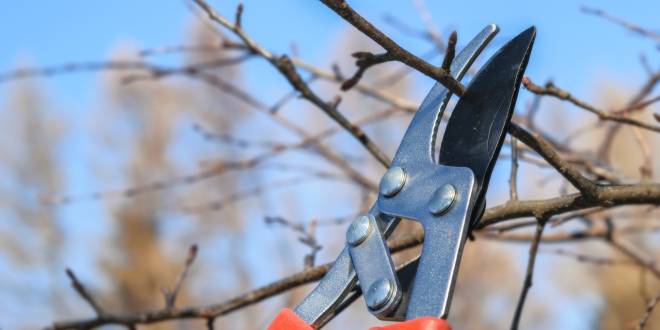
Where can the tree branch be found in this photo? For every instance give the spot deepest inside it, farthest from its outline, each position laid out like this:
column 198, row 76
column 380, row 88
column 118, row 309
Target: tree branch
column 393, row 50
column 284, row 65
column 450, row 52
column 513, row 177
column 82, row 291
column 647, row 312
column 630, row 26
column 609, row 197
column 606, row 197
column 170, row 295
column 527, row 284
column 547, row 151
column 552, row 90
column 650, row 265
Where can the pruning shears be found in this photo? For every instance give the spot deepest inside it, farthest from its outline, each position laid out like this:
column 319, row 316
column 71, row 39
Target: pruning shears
column 446, row 196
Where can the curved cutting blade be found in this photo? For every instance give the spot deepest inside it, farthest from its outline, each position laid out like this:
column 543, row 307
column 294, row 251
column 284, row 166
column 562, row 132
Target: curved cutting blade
column 478, row 124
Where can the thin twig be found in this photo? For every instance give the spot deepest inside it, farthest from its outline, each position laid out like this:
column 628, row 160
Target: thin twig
column 552, row 90
column 312, row 243
column 600, row 261
column 646, row 89
column 647, row 312
column 171, row 295
column 649, row 264
column 429, row 23
column 646, row 168
column 513, row 189
column 643, row 284
column 236, row 196
column 233, row 140
column 527, row 284
column 82, row 291
column 307, row 236
column 75, row 67
column 630, row 26
column 450, row 52
column 638, row 106
column 210, row 323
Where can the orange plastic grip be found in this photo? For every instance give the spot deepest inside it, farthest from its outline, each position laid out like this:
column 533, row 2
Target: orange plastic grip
column 423, row 323
column 288, row 320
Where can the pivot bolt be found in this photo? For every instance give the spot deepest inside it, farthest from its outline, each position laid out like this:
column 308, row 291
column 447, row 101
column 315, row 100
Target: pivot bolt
column 379, row 294
column 442, row 199
column 359, row 229
column 393, row 181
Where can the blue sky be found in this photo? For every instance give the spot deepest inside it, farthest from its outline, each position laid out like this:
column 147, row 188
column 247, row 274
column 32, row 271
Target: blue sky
column 570, row 46
column 578, row 51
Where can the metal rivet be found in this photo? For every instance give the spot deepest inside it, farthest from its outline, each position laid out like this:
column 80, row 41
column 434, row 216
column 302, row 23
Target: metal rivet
column 359, row 230
column 379, row 293
column 393, row 181
column 442, row 199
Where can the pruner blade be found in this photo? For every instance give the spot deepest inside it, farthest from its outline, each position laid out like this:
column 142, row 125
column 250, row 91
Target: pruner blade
column 477, row 127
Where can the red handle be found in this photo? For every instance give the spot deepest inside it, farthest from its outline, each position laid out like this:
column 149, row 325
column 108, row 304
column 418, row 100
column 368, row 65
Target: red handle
column 422, row 323
column 288, row 320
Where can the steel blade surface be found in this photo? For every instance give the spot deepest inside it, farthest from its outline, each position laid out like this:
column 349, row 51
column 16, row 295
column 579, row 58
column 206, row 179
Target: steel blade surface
column 477, row 126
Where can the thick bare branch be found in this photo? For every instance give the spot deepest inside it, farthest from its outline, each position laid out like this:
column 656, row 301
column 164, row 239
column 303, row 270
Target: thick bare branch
column 606, row 197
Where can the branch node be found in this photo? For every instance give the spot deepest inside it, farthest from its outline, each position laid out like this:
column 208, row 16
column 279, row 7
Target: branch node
column 239, row 16
column 364, row 60
column 450, row 52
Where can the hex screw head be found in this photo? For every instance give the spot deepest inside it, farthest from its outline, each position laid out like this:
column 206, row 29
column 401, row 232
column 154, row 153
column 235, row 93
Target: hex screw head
column 393, row 181
column 359, row 229
column 442, row 199
column 379, row 294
